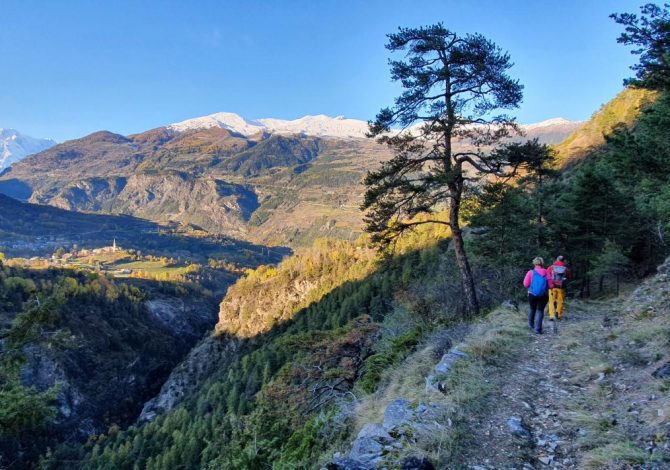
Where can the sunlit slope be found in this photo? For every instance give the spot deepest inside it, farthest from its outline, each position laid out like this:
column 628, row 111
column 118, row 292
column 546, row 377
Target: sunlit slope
column 623, row 109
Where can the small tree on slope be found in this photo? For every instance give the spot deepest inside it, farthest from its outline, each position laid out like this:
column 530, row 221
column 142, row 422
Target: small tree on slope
column 453, row 86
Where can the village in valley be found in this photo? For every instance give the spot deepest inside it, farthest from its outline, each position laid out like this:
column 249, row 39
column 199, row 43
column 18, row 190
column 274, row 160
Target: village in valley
column 113, row 260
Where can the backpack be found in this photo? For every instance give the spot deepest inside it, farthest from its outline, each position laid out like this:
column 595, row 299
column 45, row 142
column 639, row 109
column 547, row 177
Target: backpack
column 559, row 274
column 538, row 285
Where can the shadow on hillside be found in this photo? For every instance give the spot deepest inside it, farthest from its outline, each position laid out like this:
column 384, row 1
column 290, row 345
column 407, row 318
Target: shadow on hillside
column 121, row 344
column 39, row 230
column 432, row 291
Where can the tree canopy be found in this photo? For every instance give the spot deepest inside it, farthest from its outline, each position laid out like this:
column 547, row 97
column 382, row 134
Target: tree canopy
column 649, row 33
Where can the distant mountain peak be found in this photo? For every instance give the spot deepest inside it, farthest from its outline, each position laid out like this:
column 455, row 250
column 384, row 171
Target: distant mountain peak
column 558, row 121
column 14, row 146
column 231, row 121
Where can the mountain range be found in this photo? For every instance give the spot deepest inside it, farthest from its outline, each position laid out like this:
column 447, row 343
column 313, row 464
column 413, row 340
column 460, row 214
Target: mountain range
column 325, row 126
column 269, row 181
column 14, row 146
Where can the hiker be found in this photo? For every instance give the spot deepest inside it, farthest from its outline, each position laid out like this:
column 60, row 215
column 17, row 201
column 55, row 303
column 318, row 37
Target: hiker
column 537, row 283
column 558, row 275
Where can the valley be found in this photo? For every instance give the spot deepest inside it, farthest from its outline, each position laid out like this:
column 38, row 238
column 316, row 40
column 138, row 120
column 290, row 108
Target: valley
column 327, row 293
column 225, row 177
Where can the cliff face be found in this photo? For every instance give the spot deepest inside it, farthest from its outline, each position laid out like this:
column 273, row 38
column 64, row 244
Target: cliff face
column 212, row 204
column 114, row 360
column 211, row 354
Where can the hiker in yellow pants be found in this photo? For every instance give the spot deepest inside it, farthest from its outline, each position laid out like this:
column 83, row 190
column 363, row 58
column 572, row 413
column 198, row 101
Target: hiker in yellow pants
column 556, row 299
column 557, row 275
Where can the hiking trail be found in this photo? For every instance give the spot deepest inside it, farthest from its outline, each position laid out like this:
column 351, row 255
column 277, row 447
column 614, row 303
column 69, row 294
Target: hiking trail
column 533, row 425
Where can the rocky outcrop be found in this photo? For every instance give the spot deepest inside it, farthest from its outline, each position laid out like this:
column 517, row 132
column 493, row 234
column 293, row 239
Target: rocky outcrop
column 389, row 444
column 386, row 445
column 209, row 355
column 434, row 382
column 185, row 317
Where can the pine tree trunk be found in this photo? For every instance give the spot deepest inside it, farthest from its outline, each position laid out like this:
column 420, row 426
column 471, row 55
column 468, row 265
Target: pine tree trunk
column 467, row 280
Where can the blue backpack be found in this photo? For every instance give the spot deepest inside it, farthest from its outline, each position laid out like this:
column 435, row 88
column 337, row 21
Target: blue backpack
column 538, row 285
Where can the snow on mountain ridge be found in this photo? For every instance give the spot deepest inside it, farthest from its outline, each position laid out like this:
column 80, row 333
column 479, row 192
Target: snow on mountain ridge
column 319, row 125
column 14, row 146
column 316, row 125
column 231, row 121
column 559, row 121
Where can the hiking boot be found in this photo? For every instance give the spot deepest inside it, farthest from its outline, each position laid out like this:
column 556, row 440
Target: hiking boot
column 538, row 332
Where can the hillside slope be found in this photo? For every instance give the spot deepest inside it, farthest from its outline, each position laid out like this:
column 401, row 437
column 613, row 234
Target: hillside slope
column 32, row 229
column 622, row 110
column 591, row 394
column 99, row 347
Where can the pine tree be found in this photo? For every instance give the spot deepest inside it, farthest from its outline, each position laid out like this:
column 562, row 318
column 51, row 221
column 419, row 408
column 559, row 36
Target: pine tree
column 650, row 35
column 453, row 87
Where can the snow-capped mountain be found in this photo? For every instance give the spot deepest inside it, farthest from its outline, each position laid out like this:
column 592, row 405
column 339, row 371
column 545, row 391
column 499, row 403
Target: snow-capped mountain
column 322, row 125
column 555, row 122
column 14, row 146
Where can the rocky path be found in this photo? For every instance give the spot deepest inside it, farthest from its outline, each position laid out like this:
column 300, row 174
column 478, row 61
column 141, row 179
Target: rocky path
column 526, row 429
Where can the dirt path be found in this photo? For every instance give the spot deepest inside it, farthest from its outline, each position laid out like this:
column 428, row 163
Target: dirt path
column 527, row 428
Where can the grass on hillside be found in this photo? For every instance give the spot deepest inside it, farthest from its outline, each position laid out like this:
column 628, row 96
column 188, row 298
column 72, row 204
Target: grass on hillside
column 620, row 415
column 617, row 415
column 491, row 344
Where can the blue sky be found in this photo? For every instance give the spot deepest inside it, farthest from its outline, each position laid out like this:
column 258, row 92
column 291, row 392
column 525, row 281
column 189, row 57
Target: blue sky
column 70, row 68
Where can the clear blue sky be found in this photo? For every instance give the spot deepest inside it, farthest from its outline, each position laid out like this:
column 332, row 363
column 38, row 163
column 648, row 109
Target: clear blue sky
column 69, row 68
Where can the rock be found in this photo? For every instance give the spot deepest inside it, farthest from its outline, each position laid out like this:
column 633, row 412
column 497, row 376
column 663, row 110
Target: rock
column 517, row 427
column 545, row 460
column 434, row 381
column 372, row 442
column 366, row 450
column 663, row 371
column 434, row 385
column 376, row 432
column 664, row 268
column 397, row 413
column 348, row 464
column 448, row 361
column 416, row 463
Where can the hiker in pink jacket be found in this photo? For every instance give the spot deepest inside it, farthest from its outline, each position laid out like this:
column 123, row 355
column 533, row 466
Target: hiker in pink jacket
column 537, row 282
